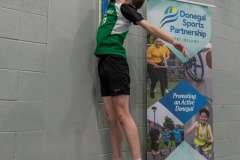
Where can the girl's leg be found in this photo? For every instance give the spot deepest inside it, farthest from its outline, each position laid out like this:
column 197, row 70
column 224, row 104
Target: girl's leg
column 129, row 127
column 115, row 129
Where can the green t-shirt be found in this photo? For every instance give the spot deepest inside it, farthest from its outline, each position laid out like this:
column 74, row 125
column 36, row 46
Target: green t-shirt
column 114, row 28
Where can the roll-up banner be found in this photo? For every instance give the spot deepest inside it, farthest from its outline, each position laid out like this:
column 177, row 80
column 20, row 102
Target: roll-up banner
column 179, row 89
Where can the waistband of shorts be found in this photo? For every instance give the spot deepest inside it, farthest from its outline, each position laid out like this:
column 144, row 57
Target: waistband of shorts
column 104, row 56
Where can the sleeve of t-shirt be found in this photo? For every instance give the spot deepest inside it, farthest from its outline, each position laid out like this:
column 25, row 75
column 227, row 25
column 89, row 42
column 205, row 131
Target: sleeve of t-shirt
column 130, row 13
column 149, row 52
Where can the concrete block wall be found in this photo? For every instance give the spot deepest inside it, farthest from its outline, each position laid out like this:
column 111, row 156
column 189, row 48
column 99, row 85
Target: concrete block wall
column 50, row 106
column 226, row 76
column 23, row 43
column 71, row 105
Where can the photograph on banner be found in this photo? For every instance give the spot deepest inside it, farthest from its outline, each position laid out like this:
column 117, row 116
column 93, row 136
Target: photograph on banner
column 170, row 127
column 200, row 126
column 199, row 133
column 171, row 113
column 166, row 70
column 179, row 90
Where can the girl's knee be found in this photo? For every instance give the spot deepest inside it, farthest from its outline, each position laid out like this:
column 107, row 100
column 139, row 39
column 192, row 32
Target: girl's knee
column 110, row 119
column 124, row 117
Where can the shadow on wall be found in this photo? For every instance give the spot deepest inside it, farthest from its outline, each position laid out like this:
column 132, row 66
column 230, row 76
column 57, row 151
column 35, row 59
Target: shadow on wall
column 79, row 125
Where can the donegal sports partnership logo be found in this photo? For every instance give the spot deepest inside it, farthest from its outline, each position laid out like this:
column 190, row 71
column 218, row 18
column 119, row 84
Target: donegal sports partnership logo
column 187, row 23
column 171, row 15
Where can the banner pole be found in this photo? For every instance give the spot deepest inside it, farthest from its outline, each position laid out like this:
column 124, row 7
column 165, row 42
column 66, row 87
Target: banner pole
column 197, row 3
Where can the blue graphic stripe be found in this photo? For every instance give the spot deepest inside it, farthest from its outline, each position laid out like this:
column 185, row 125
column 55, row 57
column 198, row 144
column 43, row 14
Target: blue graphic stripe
column 170, row 16
column 172, row 20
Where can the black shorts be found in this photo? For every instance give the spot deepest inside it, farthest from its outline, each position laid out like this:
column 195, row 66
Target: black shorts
column 114, row 76
column 154, row 146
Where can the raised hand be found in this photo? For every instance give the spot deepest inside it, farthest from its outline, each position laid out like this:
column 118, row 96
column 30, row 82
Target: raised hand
column 179, row 46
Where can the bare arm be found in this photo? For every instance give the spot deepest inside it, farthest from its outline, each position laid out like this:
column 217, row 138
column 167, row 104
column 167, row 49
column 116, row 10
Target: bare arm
column 191, row 129
column 155, row 31
column 165, row 60
column 150, row 62
column 163, row 35
column 153, row 64
column 210, row 133
column 160, row 136
column 167, row 57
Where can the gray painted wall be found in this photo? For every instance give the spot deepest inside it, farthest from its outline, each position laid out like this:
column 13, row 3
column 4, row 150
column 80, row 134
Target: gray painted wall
column 50, row 106
column 226, row 78
column 23, row 48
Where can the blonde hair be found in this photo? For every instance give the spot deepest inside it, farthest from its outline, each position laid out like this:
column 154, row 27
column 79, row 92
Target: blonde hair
column 138, row 3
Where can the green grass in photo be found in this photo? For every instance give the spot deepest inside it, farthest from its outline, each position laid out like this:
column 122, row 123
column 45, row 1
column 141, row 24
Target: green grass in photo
column 158, row 95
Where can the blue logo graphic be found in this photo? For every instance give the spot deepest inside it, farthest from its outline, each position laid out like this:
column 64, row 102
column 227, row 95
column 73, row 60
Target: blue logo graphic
column 171, row 15
column 184, row 101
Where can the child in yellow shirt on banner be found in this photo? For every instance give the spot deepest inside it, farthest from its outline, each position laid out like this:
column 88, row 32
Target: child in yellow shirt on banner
column 203, row 138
